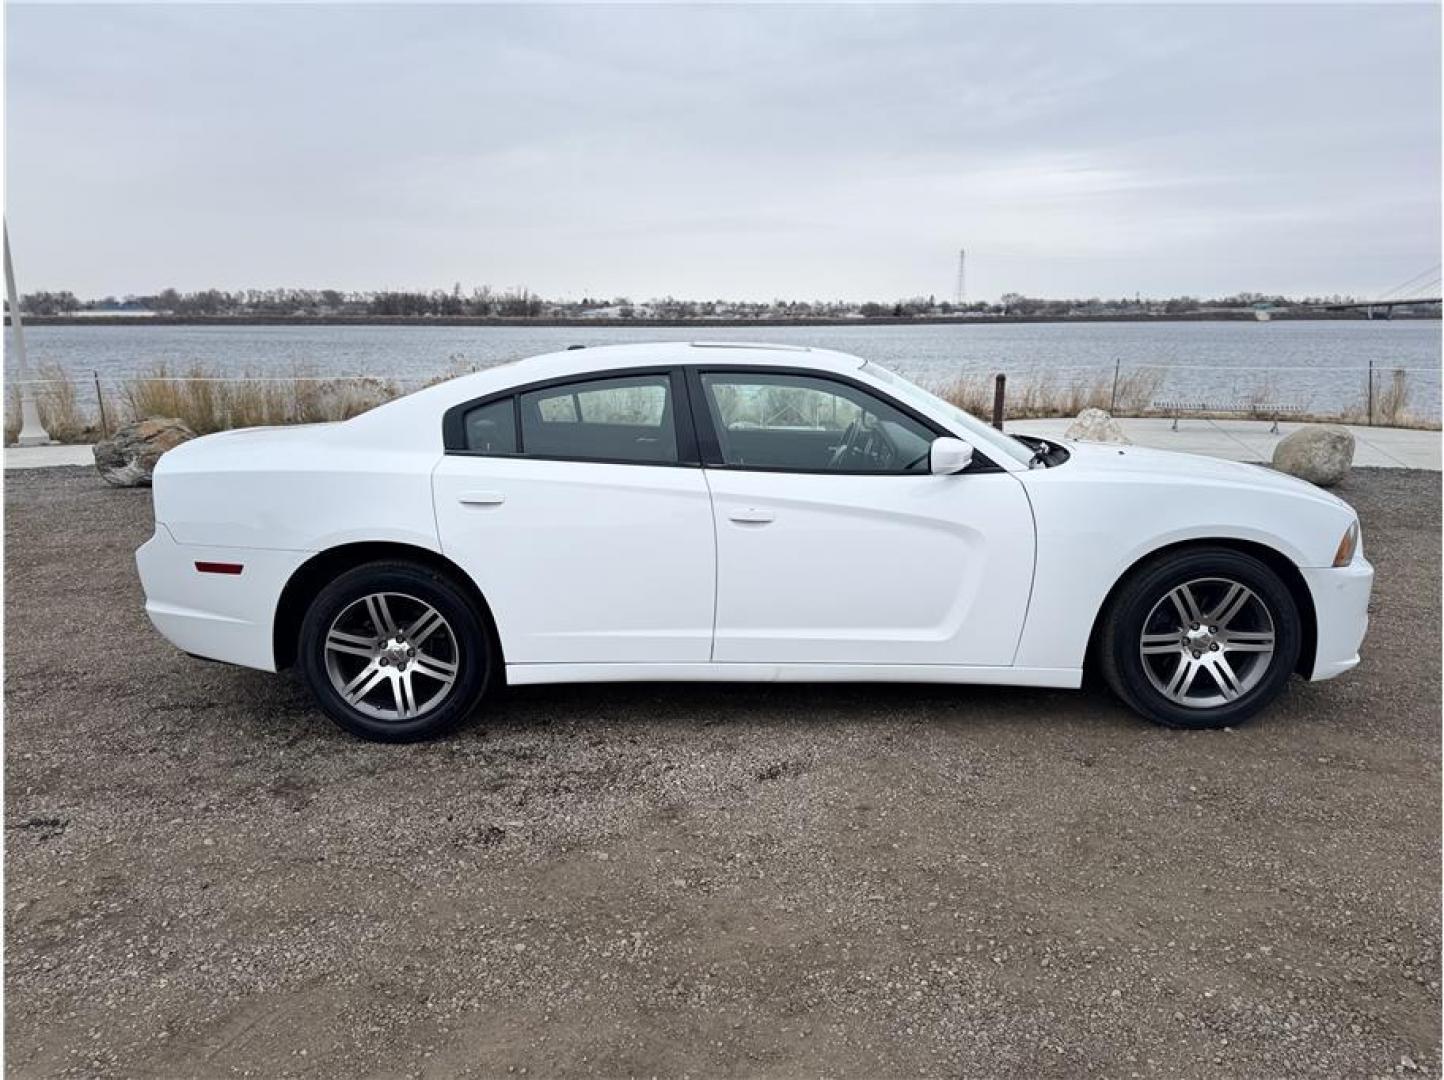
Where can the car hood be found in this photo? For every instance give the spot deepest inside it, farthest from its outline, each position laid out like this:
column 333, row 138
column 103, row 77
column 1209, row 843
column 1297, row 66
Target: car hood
column 1125, row 462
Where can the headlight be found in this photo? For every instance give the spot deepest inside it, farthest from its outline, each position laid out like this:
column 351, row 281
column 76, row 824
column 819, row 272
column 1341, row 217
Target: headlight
column 1347, row 546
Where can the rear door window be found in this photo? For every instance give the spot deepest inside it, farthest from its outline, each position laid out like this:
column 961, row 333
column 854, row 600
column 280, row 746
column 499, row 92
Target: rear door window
column 629, row 419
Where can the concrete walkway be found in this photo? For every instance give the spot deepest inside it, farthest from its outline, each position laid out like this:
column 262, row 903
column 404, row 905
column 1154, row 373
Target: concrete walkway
column 1237, row 440
column 1251, row 440
column 43, row 457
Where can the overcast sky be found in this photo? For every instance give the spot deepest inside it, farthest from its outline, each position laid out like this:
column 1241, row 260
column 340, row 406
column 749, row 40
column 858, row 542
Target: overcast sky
column 811, row 152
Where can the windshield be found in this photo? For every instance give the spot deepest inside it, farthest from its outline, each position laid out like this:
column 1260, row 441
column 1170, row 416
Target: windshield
column 914, row 394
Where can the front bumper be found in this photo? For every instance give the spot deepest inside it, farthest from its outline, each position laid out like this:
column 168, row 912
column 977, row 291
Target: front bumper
column 227, row 617
column 1341, row 608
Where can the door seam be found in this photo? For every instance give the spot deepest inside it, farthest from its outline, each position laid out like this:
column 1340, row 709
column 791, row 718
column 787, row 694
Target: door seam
column 1032, row 576
column 435, row 513
column 716, row 567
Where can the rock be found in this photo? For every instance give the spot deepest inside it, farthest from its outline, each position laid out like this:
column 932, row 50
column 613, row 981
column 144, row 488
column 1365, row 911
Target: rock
column 1095, row 425
column 1318, row 453
column 128, row 457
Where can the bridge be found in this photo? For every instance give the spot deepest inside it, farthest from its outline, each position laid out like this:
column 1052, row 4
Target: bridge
column 1379, row 309
column 1407, row 294
column 1419, row 291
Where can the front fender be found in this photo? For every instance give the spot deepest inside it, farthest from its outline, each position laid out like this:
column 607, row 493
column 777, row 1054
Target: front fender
column 1091, row 532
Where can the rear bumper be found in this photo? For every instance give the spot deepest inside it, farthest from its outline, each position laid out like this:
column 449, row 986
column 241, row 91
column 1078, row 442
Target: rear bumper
column 226, row 617
column 1341, row 604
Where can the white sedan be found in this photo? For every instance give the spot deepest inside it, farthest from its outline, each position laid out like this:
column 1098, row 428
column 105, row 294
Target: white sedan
column 737, row 512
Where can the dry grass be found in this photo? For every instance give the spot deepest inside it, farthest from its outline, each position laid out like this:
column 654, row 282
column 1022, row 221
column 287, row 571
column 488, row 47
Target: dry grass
column 203, row 401
column 1046, row 395
column 58, row 400
column 207, row 402
column 1392, row 394
column 1392, row 400
column 457, row 365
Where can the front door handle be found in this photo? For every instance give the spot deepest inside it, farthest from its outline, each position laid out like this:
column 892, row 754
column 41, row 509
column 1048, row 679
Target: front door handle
column 751, row 516
column 481, row 498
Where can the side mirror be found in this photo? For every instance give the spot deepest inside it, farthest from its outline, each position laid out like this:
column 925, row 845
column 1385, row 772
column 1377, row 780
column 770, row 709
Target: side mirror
column 949, row 456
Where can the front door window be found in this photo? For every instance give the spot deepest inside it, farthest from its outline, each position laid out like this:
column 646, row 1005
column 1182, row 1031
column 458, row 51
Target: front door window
column 804, row 423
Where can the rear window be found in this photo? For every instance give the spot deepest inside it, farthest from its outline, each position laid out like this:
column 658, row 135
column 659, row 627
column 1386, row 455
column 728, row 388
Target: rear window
column 491, row 428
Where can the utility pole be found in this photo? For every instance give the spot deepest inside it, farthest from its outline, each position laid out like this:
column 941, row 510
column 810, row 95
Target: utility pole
column 962, row 292
column 32, row 432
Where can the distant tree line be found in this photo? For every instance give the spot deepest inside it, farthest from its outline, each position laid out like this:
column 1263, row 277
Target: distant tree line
column 48, row 303
column 482, row 302
column 521, row 303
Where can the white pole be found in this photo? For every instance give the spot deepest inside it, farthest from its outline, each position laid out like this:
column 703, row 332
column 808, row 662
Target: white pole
column 32, row 432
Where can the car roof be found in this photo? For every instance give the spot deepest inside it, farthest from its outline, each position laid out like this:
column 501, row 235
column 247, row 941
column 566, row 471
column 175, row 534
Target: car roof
column 587, row 358
column 401, row 415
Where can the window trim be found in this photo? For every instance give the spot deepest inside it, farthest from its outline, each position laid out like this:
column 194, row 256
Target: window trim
column 453, row 421
column 711, row 448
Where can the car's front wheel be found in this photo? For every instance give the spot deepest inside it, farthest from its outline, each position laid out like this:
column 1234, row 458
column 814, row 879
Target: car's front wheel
column 1202, row 638
column 395, row 652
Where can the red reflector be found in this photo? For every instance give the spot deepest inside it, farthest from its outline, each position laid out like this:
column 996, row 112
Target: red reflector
column 219, row 567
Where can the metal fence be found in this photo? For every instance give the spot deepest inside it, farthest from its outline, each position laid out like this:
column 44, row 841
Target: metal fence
column 1372, row 393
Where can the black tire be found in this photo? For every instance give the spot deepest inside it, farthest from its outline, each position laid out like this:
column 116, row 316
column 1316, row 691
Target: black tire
column 1144, row 603
column 463, row 640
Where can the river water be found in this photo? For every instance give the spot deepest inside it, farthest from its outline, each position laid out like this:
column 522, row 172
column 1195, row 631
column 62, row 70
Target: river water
column 1317, row 365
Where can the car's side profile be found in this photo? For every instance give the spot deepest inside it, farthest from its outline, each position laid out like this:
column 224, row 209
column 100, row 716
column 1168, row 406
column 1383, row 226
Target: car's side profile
column 726, row 512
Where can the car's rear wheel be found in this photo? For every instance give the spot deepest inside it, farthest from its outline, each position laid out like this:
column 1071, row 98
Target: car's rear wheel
column 1202, row 638
column 395, row 652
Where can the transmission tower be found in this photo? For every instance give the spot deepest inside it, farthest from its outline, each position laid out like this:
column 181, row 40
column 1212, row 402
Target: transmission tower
column 962, row 290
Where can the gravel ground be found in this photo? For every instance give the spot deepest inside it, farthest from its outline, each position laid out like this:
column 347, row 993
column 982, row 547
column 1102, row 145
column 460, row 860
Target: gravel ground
column 204, row 878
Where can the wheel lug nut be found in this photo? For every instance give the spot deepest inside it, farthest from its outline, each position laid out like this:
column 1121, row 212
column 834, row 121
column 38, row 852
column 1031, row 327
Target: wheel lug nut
column 384, row 661
column 1193, row 626
column 1196, row 655
column 410, row 652
column 1213, row 647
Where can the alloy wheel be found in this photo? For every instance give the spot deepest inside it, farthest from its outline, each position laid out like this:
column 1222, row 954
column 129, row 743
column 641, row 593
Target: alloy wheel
column 392, row 656
column 1207, row 642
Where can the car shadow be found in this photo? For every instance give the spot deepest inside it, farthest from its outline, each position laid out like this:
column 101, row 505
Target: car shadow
column 283, row 701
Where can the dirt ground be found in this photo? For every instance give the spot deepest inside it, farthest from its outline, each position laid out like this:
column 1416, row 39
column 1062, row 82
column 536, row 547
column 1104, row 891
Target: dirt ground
column 205, row 878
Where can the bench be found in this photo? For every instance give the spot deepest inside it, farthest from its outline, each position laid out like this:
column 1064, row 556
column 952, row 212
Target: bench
column 1253, row 410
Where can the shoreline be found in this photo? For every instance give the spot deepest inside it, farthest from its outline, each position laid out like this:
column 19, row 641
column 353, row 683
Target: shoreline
column 544, row 323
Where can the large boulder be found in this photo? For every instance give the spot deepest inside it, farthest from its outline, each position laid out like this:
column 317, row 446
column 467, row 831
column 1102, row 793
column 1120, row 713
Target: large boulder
column 1318, row 453
column 128, row 457
column 1095, row 425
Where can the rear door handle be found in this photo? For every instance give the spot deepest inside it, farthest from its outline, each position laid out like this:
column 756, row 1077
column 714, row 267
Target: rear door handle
column 481, row 498
column 751, row 516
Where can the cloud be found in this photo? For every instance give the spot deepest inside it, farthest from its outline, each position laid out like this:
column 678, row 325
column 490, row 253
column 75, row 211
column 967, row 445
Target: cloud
column 706, row 150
